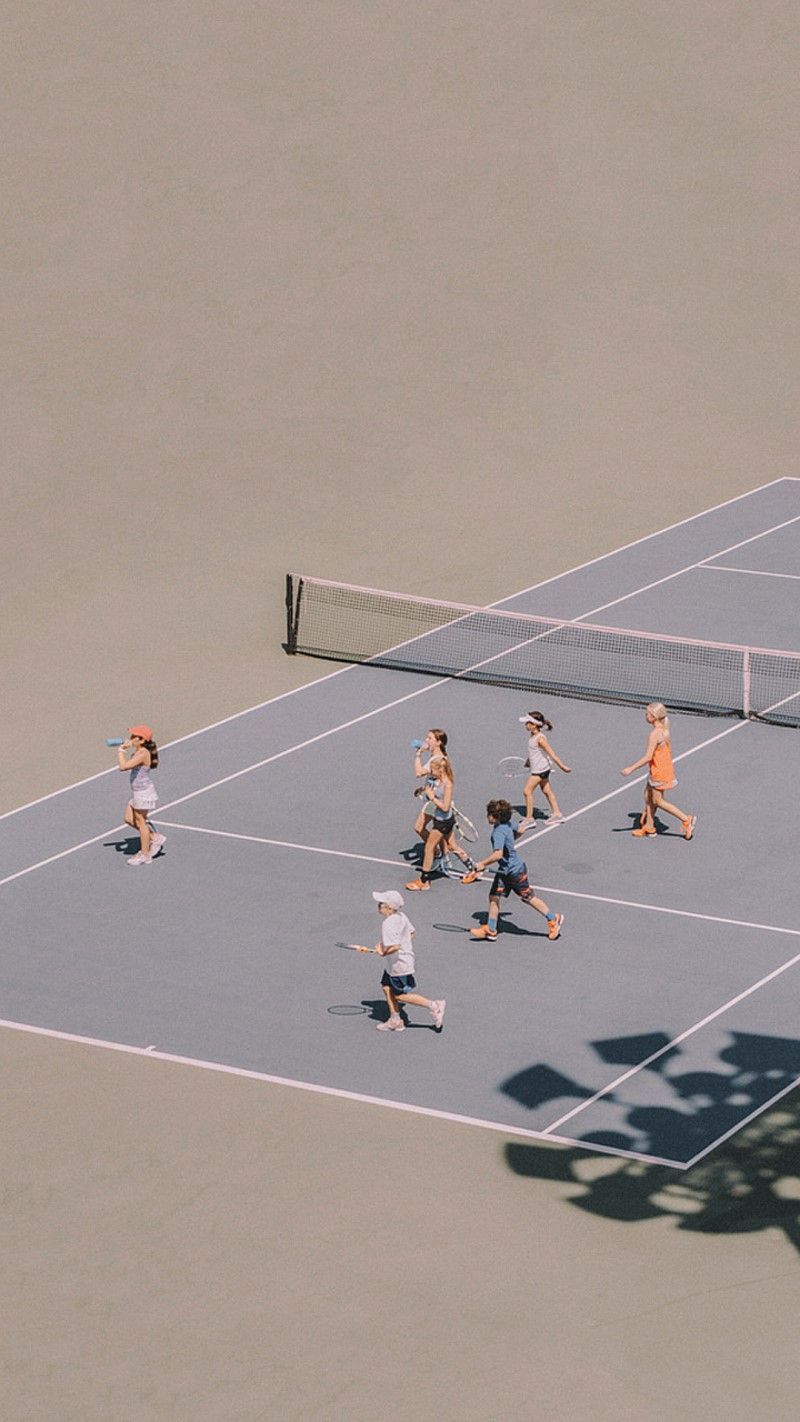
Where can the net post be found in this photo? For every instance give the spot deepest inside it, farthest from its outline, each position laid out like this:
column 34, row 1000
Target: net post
column 746, row 707
column 290, row 645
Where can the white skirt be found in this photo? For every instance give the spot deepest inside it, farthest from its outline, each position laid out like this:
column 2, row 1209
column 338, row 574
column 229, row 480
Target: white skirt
column 144, row 800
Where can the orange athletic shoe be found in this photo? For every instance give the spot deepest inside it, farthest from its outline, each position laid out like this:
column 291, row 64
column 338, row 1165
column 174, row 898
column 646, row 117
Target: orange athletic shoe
column 554, row 926
column 642, row 833
column 470, row 877
column 417, row 884
column 483, row 932
column 688, row 826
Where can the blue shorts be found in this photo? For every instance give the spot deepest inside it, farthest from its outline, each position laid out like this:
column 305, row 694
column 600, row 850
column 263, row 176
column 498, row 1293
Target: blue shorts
column 505, row 884
column 399, row 984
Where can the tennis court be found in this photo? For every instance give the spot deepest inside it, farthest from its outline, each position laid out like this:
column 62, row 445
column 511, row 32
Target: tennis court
column 661, row 1021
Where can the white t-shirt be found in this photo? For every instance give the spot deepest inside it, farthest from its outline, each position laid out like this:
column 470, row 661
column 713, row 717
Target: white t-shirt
column 398, row 929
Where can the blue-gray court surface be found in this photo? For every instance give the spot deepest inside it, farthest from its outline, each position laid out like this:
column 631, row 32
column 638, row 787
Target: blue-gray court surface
column 662, row 1020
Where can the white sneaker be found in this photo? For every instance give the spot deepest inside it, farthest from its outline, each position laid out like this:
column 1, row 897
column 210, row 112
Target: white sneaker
column 437, row 1012
column 157, row 842
column 140, row 858
column 394, row 1024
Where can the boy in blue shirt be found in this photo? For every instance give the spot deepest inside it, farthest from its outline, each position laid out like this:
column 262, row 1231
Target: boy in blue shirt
column 511, row 875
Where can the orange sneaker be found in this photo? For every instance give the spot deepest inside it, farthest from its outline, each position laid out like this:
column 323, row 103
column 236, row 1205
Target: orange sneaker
column 483, row 932
column 470, row 877
column 417, row 884
column 642, row 833
column 688, row 826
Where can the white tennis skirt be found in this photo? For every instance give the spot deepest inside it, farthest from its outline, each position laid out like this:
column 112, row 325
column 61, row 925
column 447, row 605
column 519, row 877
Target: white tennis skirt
column 144, row 800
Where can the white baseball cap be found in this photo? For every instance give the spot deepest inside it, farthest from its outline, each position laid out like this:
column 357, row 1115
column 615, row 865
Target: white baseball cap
column 390, row 897
column 523, row 720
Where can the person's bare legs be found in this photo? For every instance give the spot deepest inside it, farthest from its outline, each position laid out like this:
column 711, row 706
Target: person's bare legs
column 141, row 824
column 661, row 804
column 646, row 818
column 530, row 786
column 550, row 797
column 432, row 843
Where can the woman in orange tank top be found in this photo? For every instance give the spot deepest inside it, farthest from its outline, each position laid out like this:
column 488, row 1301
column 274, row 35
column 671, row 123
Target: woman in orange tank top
column 661, row 777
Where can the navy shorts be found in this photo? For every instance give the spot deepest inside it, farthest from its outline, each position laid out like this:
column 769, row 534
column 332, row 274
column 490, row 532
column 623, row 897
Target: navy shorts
column 505, row 884
column 399, row 984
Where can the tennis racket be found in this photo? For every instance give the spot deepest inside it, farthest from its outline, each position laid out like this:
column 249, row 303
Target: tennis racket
column 464, row 826
column 356, row 947
column 512, row 766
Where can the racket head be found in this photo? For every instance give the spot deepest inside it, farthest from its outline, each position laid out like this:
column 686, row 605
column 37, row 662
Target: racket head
column 512, row 766
column 464, row 825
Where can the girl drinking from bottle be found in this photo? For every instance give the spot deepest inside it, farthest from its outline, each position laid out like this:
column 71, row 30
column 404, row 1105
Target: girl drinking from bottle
column 142, row 759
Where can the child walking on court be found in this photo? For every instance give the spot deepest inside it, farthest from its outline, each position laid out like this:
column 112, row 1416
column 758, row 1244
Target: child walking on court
column 144, row 799
column 436, row 743
column 398, row 980
column 438, row 810
column 658, row 757
column 540, row 760
column 511, row 876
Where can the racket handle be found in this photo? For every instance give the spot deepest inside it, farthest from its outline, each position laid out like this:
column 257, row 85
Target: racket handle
column 113, row 740
column 416, row 745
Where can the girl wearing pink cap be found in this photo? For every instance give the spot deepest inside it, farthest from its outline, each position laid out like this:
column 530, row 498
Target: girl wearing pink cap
column 143, row 759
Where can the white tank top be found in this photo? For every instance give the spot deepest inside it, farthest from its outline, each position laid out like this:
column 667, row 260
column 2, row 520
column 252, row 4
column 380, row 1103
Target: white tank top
column 141, row 782
column 538, row 762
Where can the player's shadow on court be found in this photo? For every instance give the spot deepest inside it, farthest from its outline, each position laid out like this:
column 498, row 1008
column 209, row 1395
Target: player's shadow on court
column 376, row 1008
column 130, row 845
column 412, row 855
column 662, row 827
column 749, row 1182
column 378, row 1012
column 506, row 926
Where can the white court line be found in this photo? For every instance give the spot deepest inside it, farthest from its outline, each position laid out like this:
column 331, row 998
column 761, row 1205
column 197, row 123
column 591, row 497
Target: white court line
column 682, row 1037
column 544, row 888
column 259, row 706
column 759, row 1111
column 751, row 572
column 114, row 769
column 670, row 527
column 690, row 567
column 51, row 859
column 153, row 1054
column 302, row 745
column 285, row 844
column 679, row 913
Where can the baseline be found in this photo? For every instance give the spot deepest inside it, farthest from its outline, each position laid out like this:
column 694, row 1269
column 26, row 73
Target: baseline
column 153, row 1054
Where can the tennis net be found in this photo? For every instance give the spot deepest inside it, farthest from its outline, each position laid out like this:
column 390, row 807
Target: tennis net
column 342, row 622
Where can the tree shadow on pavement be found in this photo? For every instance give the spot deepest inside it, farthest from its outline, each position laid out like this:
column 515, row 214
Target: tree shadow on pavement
column 751, row 1181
